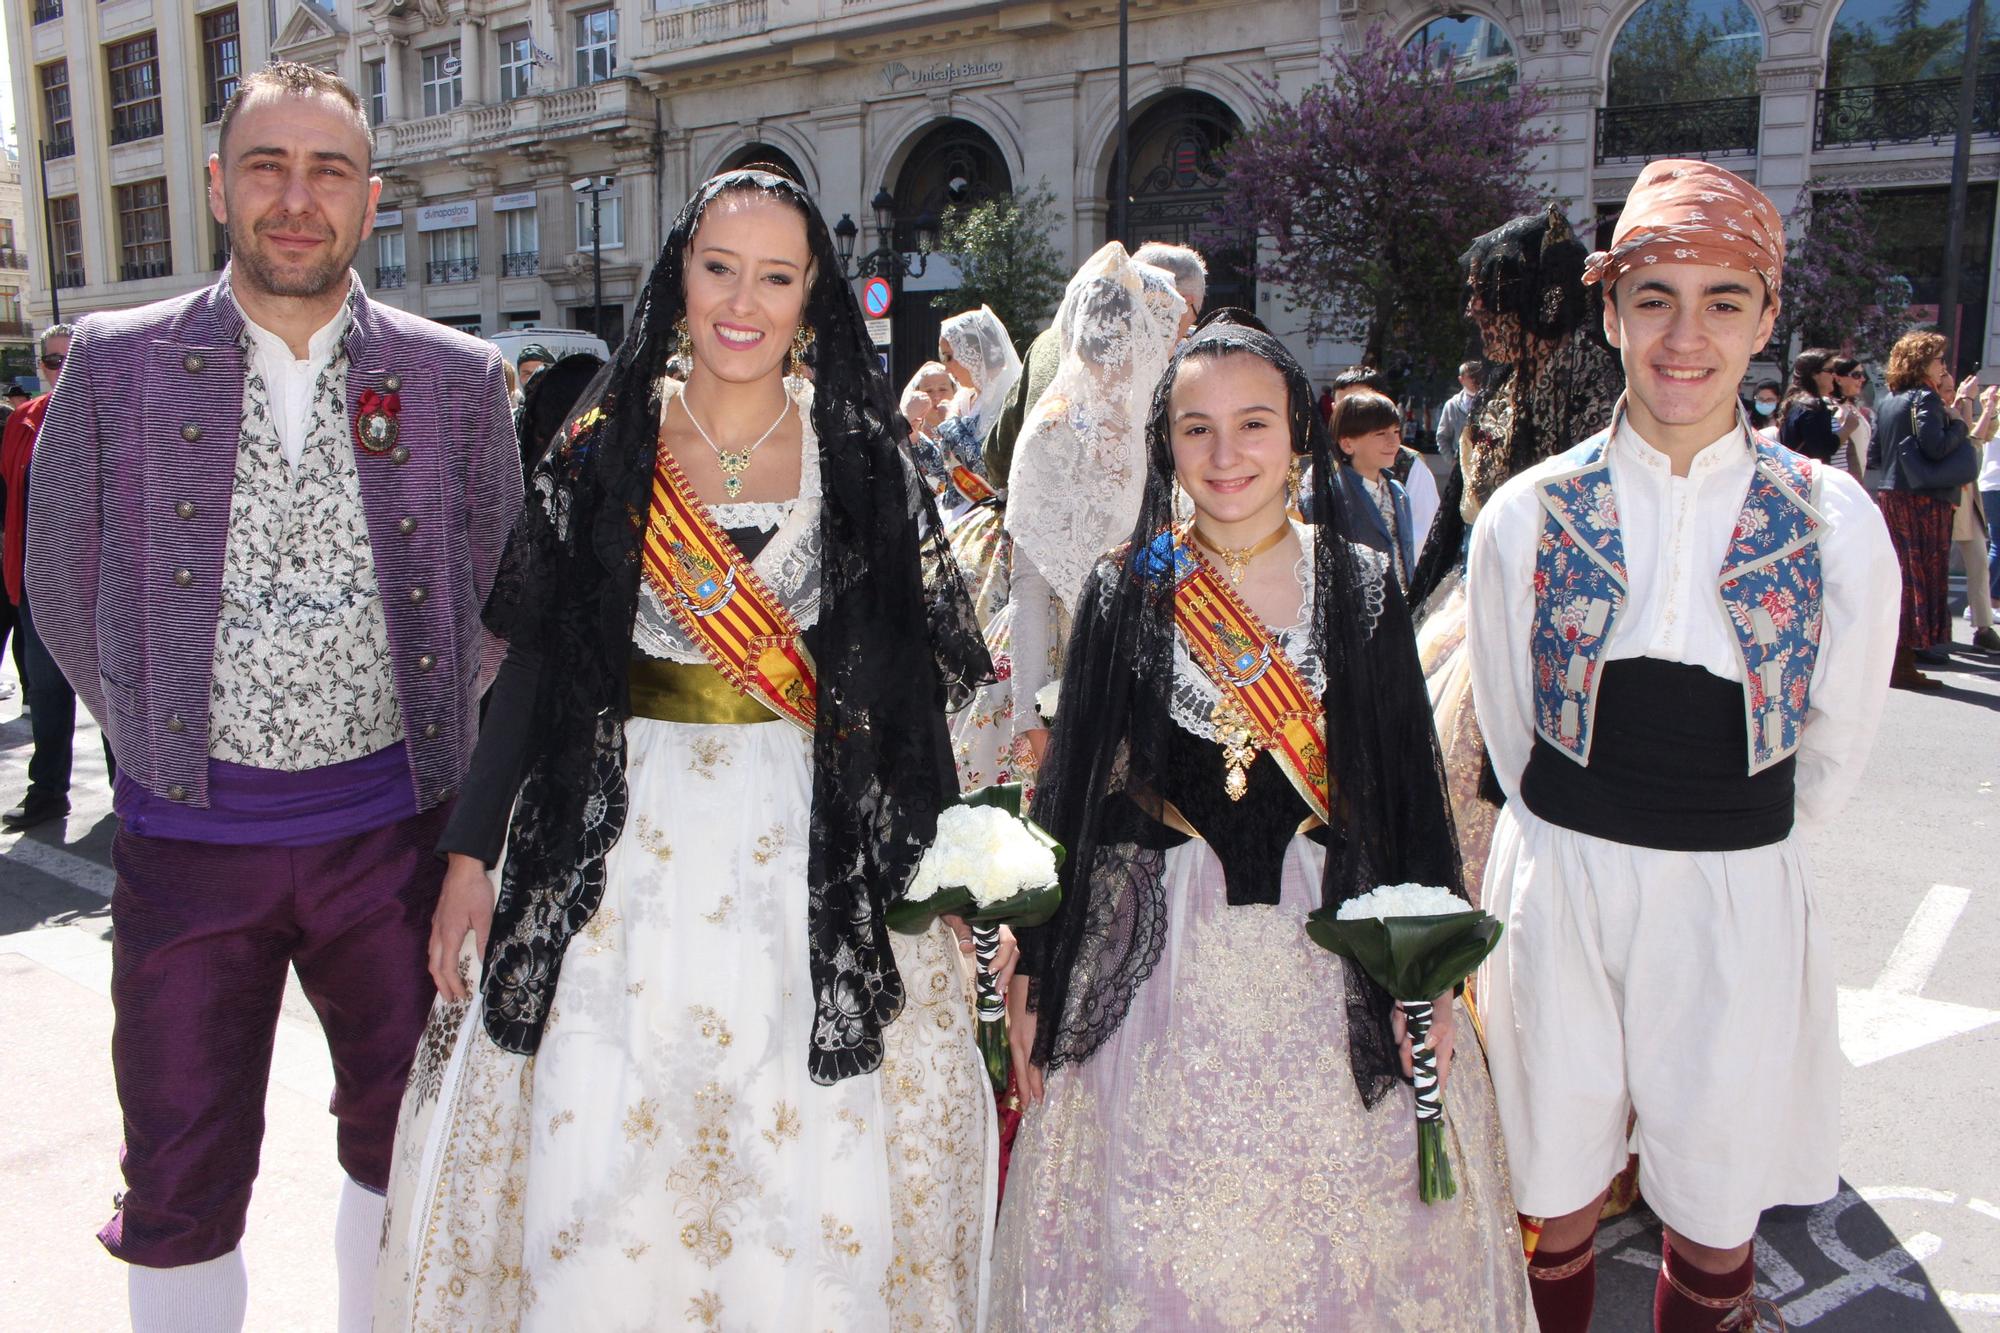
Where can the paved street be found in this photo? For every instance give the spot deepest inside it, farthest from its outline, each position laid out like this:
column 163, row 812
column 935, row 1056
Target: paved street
column 1911, row 907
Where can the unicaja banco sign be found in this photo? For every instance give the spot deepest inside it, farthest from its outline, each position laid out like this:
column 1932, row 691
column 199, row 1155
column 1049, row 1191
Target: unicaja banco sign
column 896, row 76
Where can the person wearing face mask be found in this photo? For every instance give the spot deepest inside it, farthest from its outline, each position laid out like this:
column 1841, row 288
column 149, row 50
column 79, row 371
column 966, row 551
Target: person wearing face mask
column 698, row 1080
column 1205, row 1085
column 1681, row 639
column 1764, row 408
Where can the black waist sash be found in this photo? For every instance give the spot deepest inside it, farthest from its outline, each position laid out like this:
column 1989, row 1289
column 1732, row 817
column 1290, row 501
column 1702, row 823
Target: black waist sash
column 1668, row 758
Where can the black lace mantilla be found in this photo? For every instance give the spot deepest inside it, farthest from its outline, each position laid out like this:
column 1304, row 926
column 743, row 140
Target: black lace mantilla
column 896, row 646
column 1109, row 761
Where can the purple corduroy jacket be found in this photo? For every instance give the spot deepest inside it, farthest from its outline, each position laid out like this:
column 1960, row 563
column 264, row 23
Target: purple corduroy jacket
column 128, row 521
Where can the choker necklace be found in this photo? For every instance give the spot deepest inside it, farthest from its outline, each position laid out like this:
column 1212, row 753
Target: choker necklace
column 735, row 462
column 1237, row 559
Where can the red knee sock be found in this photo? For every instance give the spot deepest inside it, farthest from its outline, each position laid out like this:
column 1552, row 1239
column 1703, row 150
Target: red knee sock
column 1563, row 1284
column 1689, row 1300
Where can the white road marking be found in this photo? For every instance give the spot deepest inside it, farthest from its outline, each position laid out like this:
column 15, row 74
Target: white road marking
column 1891, row 1017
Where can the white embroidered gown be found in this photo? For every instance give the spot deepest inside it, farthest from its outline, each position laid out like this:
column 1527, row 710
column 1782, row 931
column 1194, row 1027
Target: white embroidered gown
column 665, row 1161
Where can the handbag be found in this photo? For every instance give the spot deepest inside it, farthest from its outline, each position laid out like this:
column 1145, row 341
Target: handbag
column 1919, row 473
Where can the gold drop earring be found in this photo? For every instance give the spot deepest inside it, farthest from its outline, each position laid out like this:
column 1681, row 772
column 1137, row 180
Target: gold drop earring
column 683, row 341
column 1294, row 484
column 802, row 341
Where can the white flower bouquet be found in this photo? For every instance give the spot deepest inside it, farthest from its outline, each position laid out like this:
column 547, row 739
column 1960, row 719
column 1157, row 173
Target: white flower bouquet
column 1415, row 941
column 990, row 866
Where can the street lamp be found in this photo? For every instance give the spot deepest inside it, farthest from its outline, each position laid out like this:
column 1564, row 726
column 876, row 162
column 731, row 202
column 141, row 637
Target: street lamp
column 884, row 261
column 595, row 186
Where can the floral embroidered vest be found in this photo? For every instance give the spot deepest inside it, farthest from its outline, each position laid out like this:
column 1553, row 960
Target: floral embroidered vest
column 1769, row 585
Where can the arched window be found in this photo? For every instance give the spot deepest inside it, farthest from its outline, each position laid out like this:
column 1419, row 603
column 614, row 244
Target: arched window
column 763, row 155
column 955, row 162
column 1478, row 46
column 1176, row 182
column 1685, row 51
column 1902, row 41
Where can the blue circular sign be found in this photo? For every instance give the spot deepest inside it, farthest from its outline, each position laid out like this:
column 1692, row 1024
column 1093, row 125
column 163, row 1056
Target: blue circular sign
column 875, row 297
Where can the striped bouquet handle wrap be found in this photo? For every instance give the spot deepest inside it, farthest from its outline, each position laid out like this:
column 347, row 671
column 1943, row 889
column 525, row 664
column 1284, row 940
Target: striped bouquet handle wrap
column 985, row 949
column 1434, row 1181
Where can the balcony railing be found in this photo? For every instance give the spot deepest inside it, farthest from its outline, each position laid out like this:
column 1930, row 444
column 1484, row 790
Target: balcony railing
column 69, row 277
column 1902, row 112
column 714, row 22
column 14, row 328
column 452, row 270
column 139, row 123
column 63, row 147
column 48, row 11
column 11, row 258
column 1678, row 129
column 388, row 277
column 151, row 268
column 521, row 264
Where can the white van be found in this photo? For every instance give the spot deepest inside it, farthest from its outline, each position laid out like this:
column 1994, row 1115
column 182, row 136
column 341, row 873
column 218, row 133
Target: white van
column 559, row 342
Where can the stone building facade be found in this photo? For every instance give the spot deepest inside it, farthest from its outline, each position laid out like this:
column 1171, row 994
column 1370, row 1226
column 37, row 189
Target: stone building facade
column 490, row 110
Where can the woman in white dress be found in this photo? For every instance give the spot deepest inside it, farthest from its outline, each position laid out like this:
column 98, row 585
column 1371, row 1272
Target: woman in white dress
column 699, row 1084
column 1078, row 471
column 1243, row 738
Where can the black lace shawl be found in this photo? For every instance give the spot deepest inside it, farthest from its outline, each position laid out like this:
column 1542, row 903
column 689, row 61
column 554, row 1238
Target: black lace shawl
column 1113, row 740
column 895, row 644
column 1556, row 387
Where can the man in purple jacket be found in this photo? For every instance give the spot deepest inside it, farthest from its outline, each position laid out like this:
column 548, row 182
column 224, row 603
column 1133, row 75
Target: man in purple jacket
column 264, row 521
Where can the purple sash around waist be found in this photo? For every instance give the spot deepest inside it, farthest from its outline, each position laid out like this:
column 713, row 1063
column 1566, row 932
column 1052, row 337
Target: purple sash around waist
column 263, row 807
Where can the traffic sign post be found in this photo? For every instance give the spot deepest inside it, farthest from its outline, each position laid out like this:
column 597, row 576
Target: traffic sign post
column 876, row 297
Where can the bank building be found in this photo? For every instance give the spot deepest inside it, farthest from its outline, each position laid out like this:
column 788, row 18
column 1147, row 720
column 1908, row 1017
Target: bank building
column 505, row 126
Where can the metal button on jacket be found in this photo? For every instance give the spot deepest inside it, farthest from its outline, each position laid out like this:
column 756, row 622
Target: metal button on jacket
column 185, row 509
column 430, row 730
column 426, row 662
column 175, row 725
column 194, row 361
column 184, row 577
column 190, row 432
column 418, row 594
column 400, row 454
column 177, row 792
column 393, row 383
column 406, row 526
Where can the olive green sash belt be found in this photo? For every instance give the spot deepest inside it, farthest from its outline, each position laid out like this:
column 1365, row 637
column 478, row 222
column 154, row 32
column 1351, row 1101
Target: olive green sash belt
column 687, row 692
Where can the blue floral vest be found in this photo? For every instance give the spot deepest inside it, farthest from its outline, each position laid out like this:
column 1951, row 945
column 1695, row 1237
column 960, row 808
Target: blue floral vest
column 1769, row 585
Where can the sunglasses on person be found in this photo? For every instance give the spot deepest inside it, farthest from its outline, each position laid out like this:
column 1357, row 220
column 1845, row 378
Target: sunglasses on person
column 52, row 362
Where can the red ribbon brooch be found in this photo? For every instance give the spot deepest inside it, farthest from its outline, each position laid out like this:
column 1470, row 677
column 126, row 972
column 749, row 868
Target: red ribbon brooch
column 376, row 429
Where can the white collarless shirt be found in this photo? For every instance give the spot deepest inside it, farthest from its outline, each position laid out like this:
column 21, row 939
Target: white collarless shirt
column 291, row 381
column 1676, row 532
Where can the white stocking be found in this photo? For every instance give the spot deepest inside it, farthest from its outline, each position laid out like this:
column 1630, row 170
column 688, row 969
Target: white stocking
column 207, row 1297
column 357, row 1242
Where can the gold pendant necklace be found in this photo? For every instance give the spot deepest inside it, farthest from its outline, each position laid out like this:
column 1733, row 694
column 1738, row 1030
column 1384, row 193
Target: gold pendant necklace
column 1236, row 559
column 734, row 462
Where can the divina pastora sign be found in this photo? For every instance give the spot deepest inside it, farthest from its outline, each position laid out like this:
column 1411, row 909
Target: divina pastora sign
column 898, row 77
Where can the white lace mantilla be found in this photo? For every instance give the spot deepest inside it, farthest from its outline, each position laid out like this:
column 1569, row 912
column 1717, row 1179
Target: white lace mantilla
column 789, row 564
column 1079, row 470
column 1195, row 694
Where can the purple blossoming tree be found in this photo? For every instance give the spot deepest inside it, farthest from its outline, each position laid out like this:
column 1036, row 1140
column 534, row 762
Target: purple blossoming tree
column 1838, row 290
column 1371, row 185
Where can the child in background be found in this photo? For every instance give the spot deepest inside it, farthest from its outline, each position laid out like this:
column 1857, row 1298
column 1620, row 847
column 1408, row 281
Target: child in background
column 1368, row 433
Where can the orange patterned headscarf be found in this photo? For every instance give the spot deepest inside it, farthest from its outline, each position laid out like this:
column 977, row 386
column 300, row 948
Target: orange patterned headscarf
column 1688, row 212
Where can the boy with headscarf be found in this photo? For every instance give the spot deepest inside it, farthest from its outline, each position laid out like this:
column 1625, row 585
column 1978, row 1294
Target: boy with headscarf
column 1681, row 637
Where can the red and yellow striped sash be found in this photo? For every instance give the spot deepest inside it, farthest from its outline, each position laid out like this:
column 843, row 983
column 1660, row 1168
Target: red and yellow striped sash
column 715, row 596
column 1235, row 650
column 970, row 484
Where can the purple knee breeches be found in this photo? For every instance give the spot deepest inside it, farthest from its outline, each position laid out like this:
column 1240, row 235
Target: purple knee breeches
column 201, row 937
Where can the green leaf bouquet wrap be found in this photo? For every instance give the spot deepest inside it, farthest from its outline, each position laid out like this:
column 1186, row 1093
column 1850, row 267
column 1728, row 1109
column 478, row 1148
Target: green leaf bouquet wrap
column 1416, row 942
